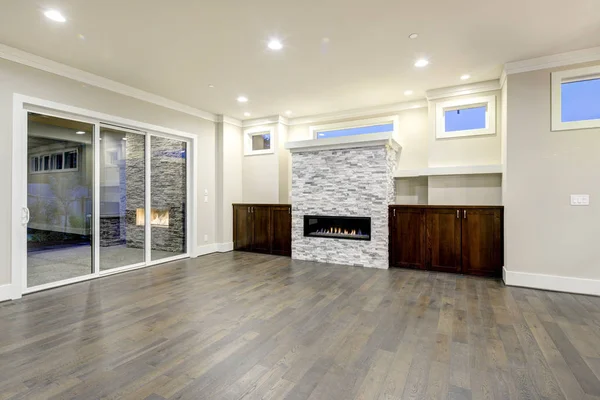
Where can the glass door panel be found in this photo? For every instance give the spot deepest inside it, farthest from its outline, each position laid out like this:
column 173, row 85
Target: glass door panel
column 122, row 198
column 60, row 182
column 168, row 182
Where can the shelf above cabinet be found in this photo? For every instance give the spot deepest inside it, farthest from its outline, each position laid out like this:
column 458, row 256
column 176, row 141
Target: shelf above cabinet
column 460, row 170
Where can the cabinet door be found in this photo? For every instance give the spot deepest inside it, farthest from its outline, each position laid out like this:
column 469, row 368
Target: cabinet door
column 261, row 229
column 407, row 237
column 482, row 248
column 281, row 230
column 443, row 239
column 242, row 230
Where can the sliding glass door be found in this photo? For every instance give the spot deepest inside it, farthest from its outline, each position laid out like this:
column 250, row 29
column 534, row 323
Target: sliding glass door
column 168, row 182
column 101, row 199
column 60, row 182
column 122, row 198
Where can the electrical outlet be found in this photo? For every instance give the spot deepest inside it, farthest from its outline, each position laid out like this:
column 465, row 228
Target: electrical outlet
column 206, row 199
column 206, row 238
column 580, row 199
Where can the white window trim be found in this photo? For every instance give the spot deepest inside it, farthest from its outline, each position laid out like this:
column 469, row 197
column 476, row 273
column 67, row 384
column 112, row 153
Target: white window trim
column 259, row 130
column 572, row 75
column 314, row 130
column 51, row 153
column 490, row 116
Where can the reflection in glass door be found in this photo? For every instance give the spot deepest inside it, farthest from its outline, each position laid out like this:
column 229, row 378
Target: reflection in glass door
column 122, row 198
column 60, row 177
column 168, row 182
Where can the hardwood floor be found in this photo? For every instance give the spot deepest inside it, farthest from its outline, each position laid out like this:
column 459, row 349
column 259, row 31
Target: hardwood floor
column 252, row 326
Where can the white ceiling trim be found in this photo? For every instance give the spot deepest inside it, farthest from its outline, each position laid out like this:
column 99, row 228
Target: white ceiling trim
column 553, row 61
column 44, row 64
column 358, row 113
column 229, row 120
column 273, row 119
column 461, row 90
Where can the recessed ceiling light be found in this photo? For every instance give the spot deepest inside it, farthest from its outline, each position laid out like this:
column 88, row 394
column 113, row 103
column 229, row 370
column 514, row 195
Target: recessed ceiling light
column 247, row 114
column 55, row 16
column 421, row 63
column 275, row 44
column 465, row 77
column 242, row 99
column 288, row 112
column 211, row 86
column 413, row 36
column 408, row 92
column 80, row 133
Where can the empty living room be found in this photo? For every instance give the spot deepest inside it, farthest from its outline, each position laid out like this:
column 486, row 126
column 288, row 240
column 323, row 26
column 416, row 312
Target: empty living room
column 319, row 200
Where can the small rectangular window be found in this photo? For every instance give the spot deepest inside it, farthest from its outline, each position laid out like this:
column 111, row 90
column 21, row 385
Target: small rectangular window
column 580, row 100
column 464, row 119
column 58, row 161
column 261, row 141
column 70, row 160
column 576, row 98
column 361, row 130
column 46, row 163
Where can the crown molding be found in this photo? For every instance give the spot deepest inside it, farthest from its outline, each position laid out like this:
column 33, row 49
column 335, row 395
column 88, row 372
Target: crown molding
column 358, row 113
column 553, row 61
column 224, row 119
column 273, row 119
column 472, row 88
column 56, row 68
column 502, row 79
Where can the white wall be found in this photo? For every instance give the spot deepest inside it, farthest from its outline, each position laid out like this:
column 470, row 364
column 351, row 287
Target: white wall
column 16, row 78
column 260, row 173
column 543, row 233
column 467, row 190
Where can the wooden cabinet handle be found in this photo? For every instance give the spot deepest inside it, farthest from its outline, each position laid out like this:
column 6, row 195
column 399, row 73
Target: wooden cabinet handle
column 394, row 212
column 457, row 214
column 248, row 209
column 465, row 214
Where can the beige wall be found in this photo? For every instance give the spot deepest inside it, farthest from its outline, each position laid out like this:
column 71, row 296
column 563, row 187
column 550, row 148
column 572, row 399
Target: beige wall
column 475, row 190
column 15, row 78
column 260, row 173
column 543, row 233
column 229, row 178
column 471, row 150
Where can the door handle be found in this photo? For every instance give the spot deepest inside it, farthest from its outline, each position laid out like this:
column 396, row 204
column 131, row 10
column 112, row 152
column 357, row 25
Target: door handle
column 394, row 212
column 25, row 216
column 457, row 214
column 465, row 214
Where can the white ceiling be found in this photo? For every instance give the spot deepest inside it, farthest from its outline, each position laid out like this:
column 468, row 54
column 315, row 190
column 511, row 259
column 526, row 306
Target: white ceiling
column 338, row 54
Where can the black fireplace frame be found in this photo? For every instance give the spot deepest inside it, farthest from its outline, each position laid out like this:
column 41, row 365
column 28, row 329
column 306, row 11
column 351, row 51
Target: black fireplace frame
column 308, row 233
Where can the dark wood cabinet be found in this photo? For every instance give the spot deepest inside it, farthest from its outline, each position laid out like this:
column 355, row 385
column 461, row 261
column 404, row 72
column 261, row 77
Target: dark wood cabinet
column 407, row 237
column 463, row 239
column 281, row 230
column 442, row 232
column 263, row 228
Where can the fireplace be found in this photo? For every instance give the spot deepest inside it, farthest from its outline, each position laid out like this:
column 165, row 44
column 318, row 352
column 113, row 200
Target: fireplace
column 158, row 217
column 354, row 228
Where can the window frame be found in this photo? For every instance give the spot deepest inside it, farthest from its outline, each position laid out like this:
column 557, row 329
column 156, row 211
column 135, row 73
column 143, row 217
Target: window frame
column 259, row 130
column 361, row 123
column 567, row 76
column 474, row 102
column 51, row 162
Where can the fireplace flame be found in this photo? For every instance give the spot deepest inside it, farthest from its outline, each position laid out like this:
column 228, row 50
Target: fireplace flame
column 340, row 231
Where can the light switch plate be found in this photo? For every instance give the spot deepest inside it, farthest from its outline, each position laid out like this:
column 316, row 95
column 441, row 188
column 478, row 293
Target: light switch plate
column 206, row 192
column 206, row 199
column 206, row 238
column 580, row 199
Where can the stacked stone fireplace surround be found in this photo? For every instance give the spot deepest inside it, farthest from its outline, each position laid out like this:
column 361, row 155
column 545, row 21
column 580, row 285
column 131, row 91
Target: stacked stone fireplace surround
column 355, row 182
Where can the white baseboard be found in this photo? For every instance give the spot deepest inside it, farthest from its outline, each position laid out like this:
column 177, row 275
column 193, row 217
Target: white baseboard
column 213, row 248
column 224, row 247
column 7, row 293
column 552, row 282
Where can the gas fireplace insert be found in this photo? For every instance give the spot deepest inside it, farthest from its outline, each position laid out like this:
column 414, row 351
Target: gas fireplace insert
column 353, row 228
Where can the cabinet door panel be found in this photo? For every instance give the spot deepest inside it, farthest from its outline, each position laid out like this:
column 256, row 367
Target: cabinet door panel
column 242, row 229
column 281, row 230
column 407, row 237
column 261, row 229
column 443, row 234
column 482, row 250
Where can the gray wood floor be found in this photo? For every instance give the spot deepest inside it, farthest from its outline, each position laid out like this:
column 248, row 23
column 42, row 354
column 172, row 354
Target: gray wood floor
column 241, row 325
